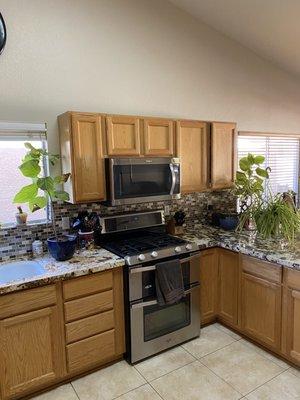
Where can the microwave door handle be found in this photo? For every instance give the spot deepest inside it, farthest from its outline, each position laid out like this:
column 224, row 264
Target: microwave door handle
column 173, row 179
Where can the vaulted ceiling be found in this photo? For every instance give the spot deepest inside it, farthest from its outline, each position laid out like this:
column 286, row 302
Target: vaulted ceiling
column 270, row 28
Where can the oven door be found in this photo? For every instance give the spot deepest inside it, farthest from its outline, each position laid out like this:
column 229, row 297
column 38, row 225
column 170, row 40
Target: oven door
column 143, row 179
column 154, row 328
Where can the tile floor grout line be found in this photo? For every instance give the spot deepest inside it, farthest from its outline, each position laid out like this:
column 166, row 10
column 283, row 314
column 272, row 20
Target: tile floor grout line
column 269, row 380
column 128, row 391
column 156, row 391
column 71, row 383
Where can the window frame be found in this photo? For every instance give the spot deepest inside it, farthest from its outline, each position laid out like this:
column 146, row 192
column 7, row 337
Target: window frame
column 282, row 135
column 23, row 132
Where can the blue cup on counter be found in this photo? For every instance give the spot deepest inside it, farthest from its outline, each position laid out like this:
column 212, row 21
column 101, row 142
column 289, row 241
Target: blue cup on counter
column 228, row 222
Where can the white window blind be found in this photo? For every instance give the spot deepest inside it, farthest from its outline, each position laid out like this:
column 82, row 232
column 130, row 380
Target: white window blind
column 281, row 155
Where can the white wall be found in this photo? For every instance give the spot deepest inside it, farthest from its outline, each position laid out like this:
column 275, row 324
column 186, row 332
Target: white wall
column 134, row 57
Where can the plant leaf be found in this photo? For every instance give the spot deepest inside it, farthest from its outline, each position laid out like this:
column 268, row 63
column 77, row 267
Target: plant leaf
column 30, row 168
column 61, row 195
column 26, row 194
column 250, row 158
column 37, row 203
column 259, row 159
column 262, row 172
column 244, row 164
column 46, row 184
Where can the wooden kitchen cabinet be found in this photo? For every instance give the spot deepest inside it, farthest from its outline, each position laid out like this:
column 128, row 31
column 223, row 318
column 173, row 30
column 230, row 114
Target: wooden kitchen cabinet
column 158, row 137
column 82, row 156
column 192, row 143
column 261, row 301
column 223, row 154
column 31, row 348
column 123, row 136
column 209, row 285
column 228, row 282
column 291, row 315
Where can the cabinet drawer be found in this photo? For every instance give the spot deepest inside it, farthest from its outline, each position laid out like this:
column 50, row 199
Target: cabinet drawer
column 90, row 326
column 87, row 285
column 91, row 351
column 262, row 269
column 86, row 306
column 27, row 300
column 291, row 278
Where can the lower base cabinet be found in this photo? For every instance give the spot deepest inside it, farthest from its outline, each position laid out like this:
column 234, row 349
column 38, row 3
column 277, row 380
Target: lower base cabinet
column 209, row 285
column 55, row 332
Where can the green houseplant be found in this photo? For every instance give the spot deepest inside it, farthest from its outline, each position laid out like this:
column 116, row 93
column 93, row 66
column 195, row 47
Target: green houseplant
column 45, row 190
column 275, row 217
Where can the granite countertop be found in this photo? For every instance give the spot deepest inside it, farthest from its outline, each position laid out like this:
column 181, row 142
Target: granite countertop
column 83, row 263
column 270, row 250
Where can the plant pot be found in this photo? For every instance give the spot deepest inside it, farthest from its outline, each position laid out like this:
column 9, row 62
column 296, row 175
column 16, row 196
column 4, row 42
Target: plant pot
column 229, row 222
column 62, row 249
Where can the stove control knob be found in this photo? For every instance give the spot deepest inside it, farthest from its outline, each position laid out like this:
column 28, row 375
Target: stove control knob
column 177, row 249
column 189, row 246
column 141, row 257
column 154, row 254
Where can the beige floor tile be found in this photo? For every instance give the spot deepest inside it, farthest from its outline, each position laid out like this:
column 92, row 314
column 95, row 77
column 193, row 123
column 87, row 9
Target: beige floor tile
column 193, row 382
column 285, row 386
column 266, row 354
column 109, row 382
column 242, row 367
column 210, row 340
column 295, row 371
column 145, row 392
column 163, row 363
column 228, row 331
column 65, row 392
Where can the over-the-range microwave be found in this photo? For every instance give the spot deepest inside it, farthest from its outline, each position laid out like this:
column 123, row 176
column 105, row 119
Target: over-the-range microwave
column 136, row 180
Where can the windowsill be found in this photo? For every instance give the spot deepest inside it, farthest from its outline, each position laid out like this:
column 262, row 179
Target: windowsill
column 12, row 225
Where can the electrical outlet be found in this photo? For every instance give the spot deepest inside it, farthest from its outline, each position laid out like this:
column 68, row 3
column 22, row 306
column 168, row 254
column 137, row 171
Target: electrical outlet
column 65, row 223
column 167, row 211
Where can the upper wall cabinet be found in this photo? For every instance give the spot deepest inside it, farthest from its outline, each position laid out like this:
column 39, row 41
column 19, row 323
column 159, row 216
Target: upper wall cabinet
column 192, row 149
column 223, row 154
column 123, row 136
column 82, row 156
column 158, row 137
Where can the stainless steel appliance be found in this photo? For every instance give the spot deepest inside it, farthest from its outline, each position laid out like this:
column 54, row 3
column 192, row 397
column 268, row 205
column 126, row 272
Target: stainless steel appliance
column 135, row 180
column 142, row 240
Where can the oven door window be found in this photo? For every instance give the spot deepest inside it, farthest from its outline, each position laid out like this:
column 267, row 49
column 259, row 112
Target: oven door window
column 159, row 321
column 132, row 181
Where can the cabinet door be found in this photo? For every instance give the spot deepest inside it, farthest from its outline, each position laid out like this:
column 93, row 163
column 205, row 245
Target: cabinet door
column 223, row 155
column 88, row 162
column 261, row 310
column 158, row 137
column 122, row 136
column 208, row 285
column 192, row 149
column 228, row 286
column 293, row 324
column 31, row 354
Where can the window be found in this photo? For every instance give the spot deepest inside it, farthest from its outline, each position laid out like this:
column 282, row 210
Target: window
column 12, row 150
column 281, row 155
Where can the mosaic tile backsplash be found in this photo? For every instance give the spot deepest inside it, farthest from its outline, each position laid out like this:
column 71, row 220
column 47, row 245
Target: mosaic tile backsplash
column 198, row 207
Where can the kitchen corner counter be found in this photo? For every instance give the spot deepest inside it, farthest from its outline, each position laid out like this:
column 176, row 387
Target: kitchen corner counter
column 265, row 249
column 83, row 263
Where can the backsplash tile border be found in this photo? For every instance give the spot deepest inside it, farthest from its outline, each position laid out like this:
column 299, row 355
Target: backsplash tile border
column 16, row 241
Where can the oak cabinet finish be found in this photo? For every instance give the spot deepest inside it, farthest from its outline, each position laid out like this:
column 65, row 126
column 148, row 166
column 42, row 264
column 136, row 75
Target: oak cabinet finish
column 291, row 315
column 228, row 287
column 82, row 156
column 123, row 136
column 158, row 137
column 223, row 154
column 209, row 285
column 261, row 310
column 31, row 351
column 192, row 148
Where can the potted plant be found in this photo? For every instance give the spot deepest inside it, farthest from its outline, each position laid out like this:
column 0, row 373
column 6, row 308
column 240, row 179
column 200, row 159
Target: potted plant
column 42, row 191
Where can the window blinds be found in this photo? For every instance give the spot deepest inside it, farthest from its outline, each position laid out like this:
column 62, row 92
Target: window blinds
column 281, row 155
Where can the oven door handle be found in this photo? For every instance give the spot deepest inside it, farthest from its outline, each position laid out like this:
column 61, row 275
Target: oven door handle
column 143, row 304
column 173, row 179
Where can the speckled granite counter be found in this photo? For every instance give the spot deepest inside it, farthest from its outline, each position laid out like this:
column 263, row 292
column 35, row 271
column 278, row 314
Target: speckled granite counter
column 83, row 263
column 270, row 250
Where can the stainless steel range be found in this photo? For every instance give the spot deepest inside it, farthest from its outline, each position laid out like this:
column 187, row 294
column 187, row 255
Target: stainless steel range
column 142, row 240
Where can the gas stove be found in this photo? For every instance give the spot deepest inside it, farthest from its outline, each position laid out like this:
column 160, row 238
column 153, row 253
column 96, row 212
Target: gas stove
column 141, row 237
